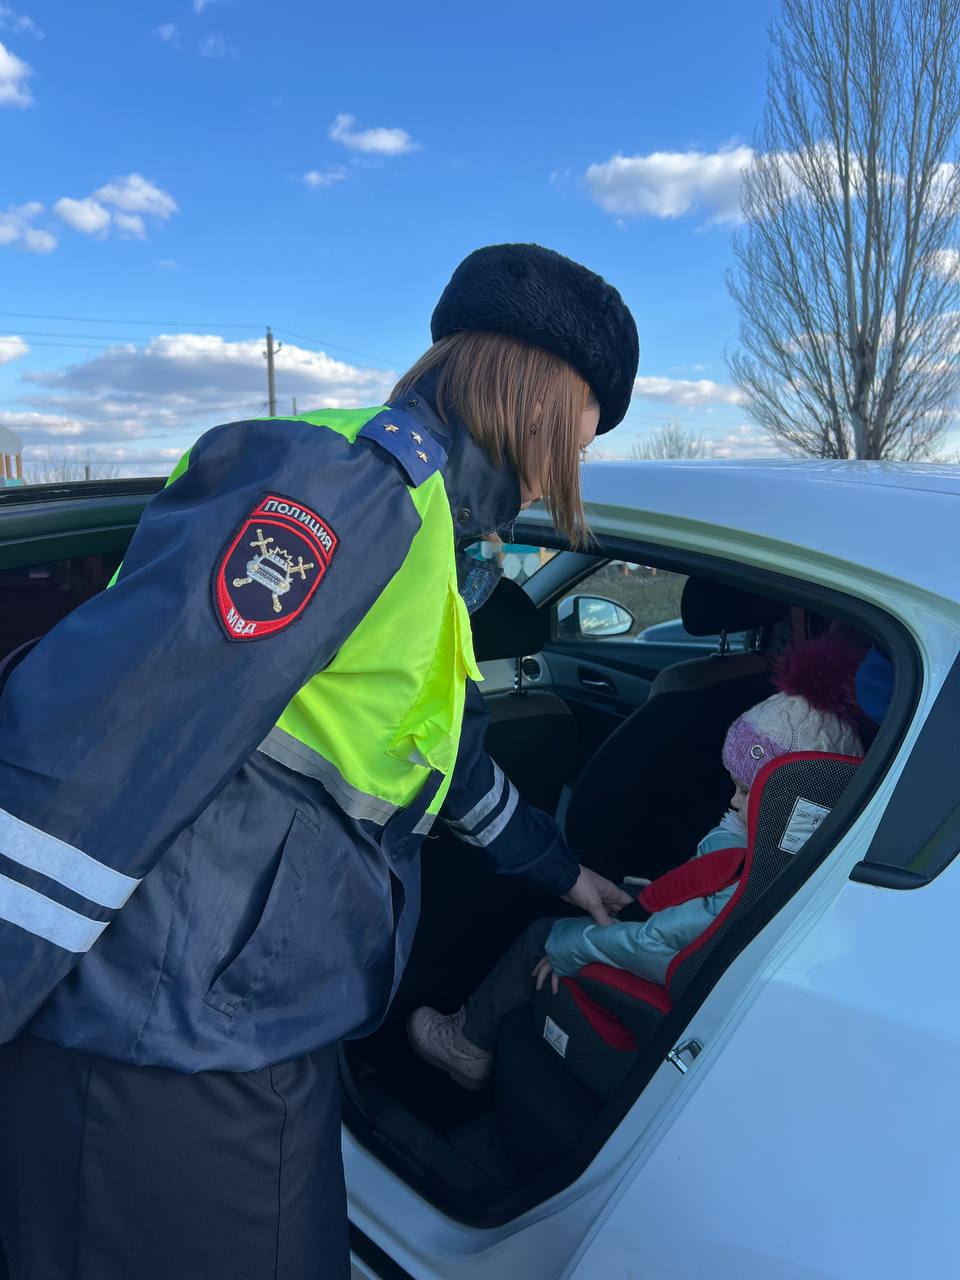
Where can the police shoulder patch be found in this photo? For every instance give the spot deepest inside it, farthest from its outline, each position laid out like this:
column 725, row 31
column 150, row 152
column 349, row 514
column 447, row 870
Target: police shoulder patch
column 418, row 452
column 271, row 568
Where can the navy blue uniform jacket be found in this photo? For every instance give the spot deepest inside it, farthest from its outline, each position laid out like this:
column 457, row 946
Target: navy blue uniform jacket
column 169, row 894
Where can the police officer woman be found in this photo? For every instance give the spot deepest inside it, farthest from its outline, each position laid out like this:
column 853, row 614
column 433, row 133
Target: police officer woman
column 215, row 778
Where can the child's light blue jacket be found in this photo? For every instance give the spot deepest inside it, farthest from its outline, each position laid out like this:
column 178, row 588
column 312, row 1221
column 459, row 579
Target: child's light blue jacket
column 646, row 948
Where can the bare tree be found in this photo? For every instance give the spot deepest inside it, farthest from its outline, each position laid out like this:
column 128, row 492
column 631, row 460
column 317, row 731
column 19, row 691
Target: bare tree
column 848, row 273
column 54, row 469
column 671, row 441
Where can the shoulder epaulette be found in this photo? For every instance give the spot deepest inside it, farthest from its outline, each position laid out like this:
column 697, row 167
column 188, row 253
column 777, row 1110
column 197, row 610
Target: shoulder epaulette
column 418, row 452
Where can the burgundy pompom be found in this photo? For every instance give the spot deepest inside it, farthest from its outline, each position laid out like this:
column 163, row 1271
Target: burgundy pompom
column 823, row 671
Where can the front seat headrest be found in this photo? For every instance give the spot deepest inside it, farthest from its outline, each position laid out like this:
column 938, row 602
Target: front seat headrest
column 509, row 624
column 707, row 608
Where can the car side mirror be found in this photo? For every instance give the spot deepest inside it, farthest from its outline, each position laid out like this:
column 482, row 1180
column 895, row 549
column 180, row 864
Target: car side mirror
column 592, row 618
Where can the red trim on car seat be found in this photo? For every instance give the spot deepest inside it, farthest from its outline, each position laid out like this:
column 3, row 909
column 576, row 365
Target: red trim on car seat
column 694, row 879
column 608, row 1027
column 630, row 984
column 753, row 814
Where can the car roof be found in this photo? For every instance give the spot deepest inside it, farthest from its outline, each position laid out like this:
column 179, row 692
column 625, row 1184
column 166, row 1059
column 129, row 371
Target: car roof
column 901, row 519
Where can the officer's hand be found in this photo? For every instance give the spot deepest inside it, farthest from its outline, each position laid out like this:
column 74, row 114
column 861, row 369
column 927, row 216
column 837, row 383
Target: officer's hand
column 544, row 970
column 597, row 896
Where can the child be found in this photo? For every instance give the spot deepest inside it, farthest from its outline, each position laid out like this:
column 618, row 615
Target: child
column 814, row 710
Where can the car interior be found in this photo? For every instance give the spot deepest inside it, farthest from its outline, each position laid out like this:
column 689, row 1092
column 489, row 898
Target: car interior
column 615, row 728
column 485, row 1156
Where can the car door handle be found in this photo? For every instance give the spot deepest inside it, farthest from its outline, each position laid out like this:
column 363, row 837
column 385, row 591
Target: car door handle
column 598, row 683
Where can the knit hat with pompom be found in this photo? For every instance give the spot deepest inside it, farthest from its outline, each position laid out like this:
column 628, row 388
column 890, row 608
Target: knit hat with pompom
column 815, row 710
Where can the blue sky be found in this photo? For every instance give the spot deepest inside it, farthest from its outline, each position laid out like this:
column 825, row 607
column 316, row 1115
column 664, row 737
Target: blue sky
column 179, row 174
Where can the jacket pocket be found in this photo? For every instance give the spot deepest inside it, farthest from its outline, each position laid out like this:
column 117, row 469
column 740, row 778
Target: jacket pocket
column 429, row 733
column 269, row 943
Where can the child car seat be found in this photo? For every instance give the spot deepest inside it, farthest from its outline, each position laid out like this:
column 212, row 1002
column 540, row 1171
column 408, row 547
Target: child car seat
column 664, row 760
column 596, row 1027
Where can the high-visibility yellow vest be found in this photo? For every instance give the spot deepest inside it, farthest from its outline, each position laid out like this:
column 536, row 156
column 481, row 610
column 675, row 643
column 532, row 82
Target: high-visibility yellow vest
column 388, row 709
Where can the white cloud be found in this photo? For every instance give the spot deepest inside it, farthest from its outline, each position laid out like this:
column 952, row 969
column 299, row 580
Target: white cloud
column 178, row 385
column 130, row 225
column 120, row 206
column 669, row 184
column 18, row 22
column 35, row 428
column 216, row 46
column 168, row 264
column 200, row 5
column 14, row 74
column 327, row 178
column 136, row 194
column 16, row 228
column 946, row 262
column 381, row 142
column 746, row 441
column 37, row 241
column 687, row 393
column 83, row 215
column 167, row 32
column 12, row 347
column 214, row 368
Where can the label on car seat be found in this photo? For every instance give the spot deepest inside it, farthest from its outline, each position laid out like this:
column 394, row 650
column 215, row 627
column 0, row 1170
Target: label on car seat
column 804, row 821
column 555, row 1038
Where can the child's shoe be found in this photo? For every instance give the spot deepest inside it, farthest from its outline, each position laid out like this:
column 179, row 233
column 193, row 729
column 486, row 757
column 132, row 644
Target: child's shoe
column 438, row 1038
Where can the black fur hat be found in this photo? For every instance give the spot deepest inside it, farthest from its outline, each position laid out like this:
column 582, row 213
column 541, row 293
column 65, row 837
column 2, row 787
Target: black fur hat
column 532, row 293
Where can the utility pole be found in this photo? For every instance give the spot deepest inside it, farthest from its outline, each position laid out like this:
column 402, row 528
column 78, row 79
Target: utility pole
column 294, row 406
column 271, row 383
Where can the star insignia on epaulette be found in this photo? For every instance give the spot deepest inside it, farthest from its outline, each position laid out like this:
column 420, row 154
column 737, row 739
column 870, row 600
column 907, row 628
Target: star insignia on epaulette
column 422, row 456
column 390, row 427
column 417, row 437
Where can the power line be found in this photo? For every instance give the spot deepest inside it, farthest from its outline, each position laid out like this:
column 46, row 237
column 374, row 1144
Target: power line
column 322, row 342
column 186, row 324
column 79, row 346
column 180, row 324
column 96, row 337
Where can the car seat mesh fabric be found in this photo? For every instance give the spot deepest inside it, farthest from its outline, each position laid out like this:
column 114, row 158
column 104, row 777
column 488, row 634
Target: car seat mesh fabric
column 658, row 783
column 816, row 778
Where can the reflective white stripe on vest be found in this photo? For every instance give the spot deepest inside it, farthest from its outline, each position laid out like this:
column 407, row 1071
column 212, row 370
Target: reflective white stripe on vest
column 70, row 867
column 294, row 754
column 484, row 806
column 47, row 919
column 490, row 832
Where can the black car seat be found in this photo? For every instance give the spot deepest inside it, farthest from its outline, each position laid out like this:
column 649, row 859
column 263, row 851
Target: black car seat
column 593, row 1032
column 657, row 783
column 533, row 733
column 469, row 915
column 14, row 658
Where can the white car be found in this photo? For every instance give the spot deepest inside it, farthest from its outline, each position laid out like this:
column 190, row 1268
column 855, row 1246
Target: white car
column 791, row 1110
column 816, row 1133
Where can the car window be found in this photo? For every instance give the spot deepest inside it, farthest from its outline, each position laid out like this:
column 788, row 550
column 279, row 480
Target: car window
column 651, row 596
column 35, row 598
column 518, row 561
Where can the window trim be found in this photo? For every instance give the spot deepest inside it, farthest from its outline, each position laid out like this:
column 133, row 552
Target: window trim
column 916, row 840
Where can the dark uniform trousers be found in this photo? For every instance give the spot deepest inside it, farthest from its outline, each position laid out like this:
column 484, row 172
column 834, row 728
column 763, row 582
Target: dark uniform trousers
column 115, row 1172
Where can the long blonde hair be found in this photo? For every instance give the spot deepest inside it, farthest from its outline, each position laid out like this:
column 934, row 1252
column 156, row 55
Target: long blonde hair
column 500, row 388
